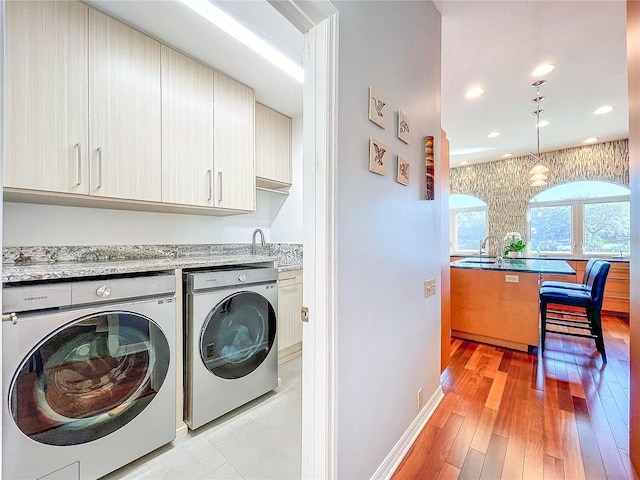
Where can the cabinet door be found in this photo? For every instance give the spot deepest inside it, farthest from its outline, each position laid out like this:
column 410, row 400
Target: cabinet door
column 233, row 144
column 289, row 305
column 45, row 96
column 273, row 148
column 125, row 111
column 187, row 130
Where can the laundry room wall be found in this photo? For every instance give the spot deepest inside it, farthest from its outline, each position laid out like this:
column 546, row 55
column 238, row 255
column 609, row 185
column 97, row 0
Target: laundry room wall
column 279, row 216
column 387, row 234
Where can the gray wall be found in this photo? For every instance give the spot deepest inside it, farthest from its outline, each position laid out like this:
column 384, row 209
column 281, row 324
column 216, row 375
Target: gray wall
column 387, row 236
column 504, row 184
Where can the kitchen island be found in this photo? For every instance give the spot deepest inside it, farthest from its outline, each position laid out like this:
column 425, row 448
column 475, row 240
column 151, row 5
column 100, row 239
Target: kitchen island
column 497, row 302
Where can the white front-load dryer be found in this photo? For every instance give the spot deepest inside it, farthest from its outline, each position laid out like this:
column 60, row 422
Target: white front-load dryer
column 88, row 375
column 230, row 340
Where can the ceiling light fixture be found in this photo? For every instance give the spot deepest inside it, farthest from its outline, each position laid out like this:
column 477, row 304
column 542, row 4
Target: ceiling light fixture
column 493, row 134
column 464, row 163
column 538, row 177
column 543, row 123
column 604, row 109
column 543, row 69
column 507, row 155
column 591, row 140
column 474, row 92
column 238, row 31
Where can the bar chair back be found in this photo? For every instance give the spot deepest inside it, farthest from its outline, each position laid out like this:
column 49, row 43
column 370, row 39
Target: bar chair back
column 590, row 299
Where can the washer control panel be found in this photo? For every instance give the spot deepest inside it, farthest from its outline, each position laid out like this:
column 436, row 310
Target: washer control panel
column 242, row 277
column 103, row 291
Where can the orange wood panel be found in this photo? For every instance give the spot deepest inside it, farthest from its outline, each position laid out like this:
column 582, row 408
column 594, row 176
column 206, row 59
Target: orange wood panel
column 483, row 303
column 445, row 274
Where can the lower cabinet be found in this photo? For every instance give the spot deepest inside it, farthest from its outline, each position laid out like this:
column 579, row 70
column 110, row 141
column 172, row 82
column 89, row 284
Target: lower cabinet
column 289, row 322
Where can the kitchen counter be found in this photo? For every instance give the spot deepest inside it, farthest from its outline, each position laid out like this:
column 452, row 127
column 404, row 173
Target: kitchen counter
column 498, row 304
column 59, row 270
column 524, row 265
column 550, row 257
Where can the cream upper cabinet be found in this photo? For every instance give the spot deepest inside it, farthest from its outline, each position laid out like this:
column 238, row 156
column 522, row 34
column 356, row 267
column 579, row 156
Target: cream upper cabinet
column 273, row 148
column 45, row 96
column 187, row 130
column 233, row 140
column 124, row 111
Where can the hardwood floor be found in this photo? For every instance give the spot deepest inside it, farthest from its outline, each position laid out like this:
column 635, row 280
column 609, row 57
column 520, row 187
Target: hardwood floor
column 512, row 415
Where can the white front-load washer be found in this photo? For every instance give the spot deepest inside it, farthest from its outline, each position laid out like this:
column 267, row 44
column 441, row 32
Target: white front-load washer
column 88, row 375
column 230, row 340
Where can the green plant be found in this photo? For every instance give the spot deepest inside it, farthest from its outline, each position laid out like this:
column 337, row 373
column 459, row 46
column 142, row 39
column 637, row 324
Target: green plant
column 513, row 242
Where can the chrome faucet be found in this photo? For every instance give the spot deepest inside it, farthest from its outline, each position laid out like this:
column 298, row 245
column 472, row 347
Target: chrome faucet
column 253, row 241
column 485, row 242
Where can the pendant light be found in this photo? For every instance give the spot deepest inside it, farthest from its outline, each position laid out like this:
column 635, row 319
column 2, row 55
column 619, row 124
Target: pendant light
column 538, row 177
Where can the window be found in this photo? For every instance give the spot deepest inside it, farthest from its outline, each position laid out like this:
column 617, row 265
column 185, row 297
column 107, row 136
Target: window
column 581, row 218
column 468, row 222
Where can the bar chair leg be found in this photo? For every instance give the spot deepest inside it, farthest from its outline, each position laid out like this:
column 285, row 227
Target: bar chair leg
column 543, row 323
column 596, row 329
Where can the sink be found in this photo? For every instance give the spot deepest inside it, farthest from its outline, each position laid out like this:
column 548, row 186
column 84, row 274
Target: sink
column 480, row 260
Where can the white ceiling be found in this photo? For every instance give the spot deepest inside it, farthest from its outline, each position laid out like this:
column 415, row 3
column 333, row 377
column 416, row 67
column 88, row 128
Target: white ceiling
column 497, row 44
column 177, row 25
column 491, row 44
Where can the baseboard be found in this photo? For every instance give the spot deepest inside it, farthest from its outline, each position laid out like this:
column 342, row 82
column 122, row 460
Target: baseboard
column 400, row 449
column 182, row 431
column 289, row 353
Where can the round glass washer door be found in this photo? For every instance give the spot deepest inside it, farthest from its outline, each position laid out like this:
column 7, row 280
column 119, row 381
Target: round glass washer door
column 89, row 378
column 238, row 335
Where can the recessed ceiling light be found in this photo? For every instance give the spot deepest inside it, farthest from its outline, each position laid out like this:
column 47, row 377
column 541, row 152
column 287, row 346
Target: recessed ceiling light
column 464, row 163
column 542, row 123
column 543, row 69
column 474, row 92
column 493, row 134
column 591, row 140
column 233, row 28
column 603, row 109
column 507, row 155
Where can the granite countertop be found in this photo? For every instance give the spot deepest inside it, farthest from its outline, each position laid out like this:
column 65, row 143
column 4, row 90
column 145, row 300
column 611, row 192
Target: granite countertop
column 58, row 270
column 523, row 265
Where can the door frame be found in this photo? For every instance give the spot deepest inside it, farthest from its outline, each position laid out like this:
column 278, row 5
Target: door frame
column 318, row 20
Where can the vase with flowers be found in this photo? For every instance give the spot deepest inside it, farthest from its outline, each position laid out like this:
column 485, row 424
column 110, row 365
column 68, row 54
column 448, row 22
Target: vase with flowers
column 513, row 244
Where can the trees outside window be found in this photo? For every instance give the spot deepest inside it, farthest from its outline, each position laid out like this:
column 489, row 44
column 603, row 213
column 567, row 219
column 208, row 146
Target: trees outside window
column 468, row 223
column 580, row 218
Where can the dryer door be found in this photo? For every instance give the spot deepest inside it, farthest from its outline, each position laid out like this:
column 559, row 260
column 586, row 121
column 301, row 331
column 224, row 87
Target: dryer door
column 238, row 335
column 89, row 378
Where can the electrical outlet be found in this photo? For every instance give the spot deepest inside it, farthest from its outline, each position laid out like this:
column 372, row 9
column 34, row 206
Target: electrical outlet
column 419, row 399
column 512, row 278
column 429, row 287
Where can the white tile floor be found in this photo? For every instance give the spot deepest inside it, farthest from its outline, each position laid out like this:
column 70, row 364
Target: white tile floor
column 259, row 441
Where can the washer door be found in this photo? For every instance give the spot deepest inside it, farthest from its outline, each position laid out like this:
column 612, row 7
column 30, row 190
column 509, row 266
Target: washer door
column 89, row 378
column 238, row 335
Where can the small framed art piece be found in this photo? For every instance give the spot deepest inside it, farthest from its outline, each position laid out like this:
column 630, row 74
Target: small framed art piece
column 404, row 127
column 377, row 157
column 403, row 171
column 377, row 107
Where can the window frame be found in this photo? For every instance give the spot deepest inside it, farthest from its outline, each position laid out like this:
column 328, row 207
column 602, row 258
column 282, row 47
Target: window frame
column 453, row 227
column 577, row 224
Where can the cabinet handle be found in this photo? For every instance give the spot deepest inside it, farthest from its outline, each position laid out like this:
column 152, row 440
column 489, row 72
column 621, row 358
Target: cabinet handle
column 99, row 167
column 79, row 179
column 220, row 194
column 209, row 173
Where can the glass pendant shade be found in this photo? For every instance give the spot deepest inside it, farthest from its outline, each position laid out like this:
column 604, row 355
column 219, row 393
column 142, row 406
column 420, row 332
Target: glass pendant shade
column 538, row 176
column 538, row 169
column 537, row 183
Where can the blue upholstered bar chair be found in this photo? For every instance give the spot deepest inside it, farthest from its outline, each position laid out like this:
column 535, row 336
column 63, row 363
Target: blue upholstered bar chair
column 574, row 286
column 589, row 299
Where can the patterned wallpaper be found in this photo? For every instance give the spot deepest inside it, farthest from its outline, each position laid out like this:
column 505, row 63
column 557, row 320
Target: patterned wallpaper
column 504, row 185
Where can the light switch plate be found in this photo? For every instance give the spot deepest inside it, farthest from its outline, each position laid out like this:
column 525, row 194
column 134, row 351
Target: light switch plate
column 512, row 278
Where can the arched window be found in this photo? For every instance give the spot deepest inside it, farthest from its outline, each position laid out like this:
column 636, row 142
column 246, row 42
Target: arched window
column 468, row 222
column 584, row 218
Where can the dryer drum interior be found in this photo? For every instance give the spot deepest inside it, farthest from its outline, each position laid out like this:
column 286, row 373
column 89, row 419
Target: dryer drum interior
column 238, row 335
column 89, row 378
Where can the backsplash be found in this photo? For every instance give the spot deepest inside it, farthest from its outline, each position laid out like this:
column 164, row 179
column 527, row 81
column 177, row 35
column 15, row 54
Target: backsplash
column 288, row 254
column 503, row 185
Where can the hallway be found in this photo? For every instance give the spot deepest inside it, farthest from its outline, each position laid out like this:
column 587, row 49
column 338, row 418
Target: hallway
column 512, row 415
